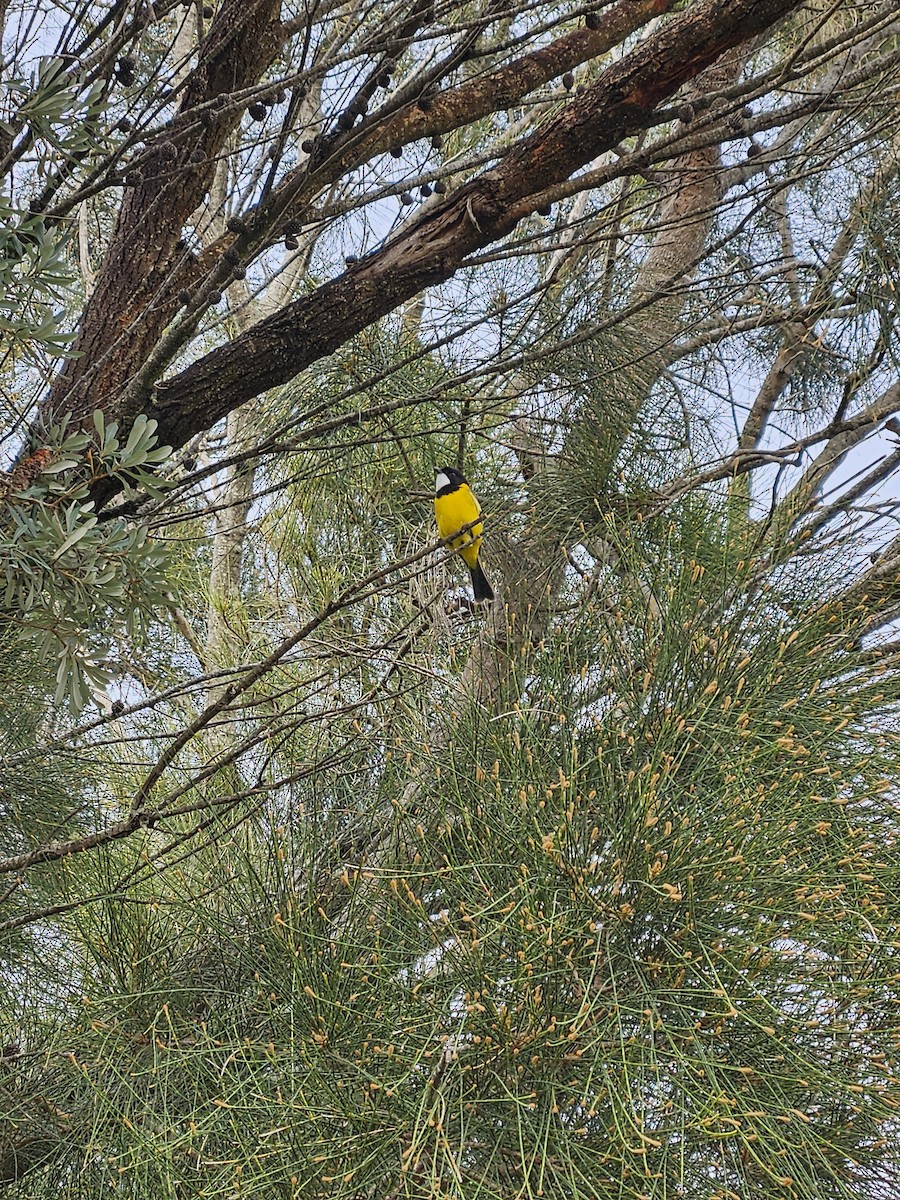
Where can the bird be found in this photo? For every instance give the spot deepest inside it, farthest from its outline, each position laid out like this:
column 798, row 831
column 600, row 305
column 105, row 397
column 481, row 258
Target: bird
column 455, row 507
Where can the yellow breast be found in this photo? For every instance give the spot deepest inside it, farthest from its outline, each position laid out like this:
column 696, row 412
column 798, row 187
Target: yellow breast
column 452, row 512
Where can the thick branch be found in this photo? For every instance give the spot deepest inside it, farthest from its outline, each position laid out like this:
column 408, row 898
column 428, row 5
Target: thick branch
column 135, row 293
column 435, row 246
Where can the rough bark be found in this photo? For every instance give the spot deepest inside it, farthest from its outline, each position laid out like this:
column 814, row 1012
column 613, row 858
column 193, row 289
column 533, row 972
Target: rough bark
column 431, row 249
column 136, row 290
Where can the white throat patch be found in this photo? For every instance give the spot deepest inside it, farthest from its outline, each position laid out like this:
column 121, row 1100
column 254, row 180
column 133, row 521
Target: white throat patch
column 440, row 482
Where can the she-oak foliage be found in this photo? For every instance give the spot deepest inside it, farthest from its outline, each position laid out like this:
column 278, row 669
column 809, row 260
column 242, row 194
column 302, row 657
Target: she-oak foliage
column 314, row 880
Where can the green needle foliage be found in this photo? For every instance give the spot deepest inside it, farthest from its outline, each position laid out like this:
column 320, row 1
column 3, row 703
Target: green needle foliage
column 635, row 937
column 317, row 880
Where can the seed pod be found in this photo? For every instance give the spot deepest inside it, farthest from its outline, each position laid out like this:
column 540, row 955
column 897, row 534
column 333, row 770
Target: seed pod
column 406, row 198
column 436, row 142
column 425, row 191
column 307, row 146
column 568, row 81
column 257, row 112
column 439, row 187
column 592, row 20
column 345, row 120
column 124, row 71
column 396, row 151
column 291, row 243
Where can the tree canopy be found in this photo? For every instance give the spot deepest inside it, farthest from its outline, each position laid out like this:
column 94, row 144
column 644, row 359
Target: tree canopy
column 317, row 879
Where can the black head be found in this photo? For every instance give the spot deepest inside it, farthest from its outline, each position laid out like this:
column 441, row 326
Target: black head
column 450, row 482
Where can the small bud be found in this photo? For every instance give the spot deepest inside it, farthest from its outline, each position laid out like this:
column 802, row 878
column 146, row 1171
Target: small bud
column 257, row 112
column 383, row 80
column 754, row 150
column 351, row 259
column 406, row 198
column 184, row 299
column 291, row 243
column 116, row 710
column 439, row 187
column 425, row 191
column 345, row 120
column 236, row 225
column 568, row 81
column 208, row 11
column 292, row 228
column 213, row 297
column 436, row 142
column 592, row 20
column 279, row 97
column 307, row 146
column 686, row 114
column 124, row 126
column 426, row 103
column 545, row 210
column 396, row 151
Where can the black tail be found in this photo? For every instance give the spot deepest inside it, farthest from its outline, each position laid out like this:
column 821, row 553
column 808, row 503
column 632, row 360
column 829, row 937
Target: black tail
column 480, row 586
